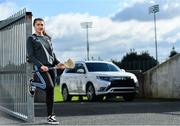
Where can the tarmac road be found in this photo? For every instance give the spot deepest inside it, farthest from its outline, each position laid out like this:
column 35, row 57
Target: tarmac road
column 143, row 112
column 139, row 112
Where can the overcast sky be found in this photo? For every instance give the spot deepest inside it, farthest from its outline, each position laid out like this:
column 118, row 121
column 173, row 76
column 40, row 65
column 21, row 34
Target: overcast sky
column 118, row 26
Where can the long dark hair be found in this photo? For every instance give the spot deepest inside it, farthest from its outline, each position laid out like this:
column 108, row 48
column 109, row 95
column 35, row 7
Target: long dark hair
column 44, row 32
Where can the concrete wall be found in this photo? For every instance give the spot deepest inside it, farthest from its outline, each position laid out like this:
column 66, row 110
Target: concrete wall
column 163, row 81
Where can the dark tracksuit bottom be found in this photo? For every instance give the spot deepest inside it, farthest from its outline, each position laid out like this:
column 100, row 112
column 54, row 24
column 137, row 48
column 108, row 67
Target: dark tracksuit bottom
column 49, row 78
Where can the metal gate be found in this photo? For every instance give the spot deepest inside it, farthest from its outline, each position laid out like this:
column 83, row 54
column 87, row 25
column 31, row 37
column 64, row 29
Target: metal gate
column 14, row 69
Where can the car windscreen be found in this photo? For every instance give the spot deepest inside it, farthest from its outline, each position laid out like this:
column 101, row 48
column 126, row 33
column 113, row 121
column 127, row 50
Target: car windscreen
column 101, row 67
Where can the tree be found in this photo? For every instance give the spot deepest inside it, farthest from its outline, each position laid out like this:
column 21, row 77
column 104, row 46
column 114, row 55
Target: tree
column 173, row 52
column 134, row 61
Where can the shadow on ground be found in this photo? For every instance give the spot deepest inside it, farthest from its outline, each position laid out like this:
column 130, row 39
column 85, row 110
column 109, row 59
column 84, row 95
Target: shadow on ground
column 79, row 108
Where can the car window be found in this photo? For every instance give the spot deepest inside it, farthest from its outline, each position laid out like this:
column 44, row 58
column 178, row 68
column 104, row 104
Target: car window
column 80, row 66
column 72, row 70
column 112, row 68
column 98, row 67
column 77, row 66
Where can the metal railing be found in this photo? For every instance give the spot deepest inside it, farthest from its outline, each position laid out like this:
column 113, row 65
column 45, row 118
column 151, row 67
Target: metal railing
column 14, row 69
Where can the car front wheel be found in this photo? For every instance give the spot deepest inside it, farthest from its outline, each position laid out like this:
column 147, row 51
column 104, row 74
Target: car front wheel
column 65, row 94
column 90, row 93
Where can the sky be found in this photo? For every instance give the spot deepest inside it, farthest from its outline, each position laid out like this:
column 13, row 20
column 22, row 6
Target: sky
column 118, row 26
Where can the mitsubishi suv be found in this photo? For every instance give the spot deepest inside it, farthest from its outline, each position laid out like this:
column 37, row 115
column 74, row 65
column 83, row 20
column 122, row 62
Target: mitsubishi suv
column 96, row 79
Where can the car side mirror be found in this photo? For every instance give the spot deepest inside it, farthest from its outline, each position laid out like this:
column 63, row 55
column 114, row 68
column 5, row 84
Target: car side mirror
column 80, row 71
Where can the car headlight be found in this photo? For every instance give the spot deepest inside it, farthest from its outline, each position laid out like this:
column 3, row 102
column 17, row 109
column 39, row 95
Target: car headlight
column 135, row 81
column 134, row 78
column 105, row 78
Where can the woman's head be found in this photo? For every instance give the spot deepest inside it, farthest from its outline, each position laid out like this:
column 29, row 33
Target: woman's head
column 38, row 25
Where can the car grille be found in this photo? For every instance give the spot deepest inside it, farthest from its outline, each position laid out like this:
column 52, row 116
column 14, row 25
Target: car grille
column 122, row 82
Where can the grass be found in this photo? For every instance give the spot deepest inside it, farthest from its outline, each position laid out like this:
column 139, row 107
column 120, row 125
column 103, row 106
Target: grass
column 58, row 95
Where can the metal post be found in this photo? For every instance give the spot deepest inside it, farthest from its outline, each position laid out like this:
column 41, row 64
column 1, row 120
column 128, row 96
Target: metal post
column 155, row 36
column 87, row 25
column 154, row 9
column 29, row 67
column 87, row 43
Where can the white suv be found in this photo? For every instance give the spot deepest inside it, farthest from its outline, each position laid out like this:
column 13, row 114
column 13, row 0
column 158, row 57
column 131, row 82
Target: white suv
column 96, row 79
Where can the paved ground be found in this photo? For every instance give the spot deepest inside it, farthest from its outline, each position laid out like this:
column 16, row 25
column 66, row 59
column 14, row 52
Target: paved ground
column 139, row 112
column 8, row 120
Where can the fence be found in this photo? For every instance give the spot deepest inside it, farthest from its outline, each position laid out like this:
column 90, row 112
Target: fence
column 14, row 70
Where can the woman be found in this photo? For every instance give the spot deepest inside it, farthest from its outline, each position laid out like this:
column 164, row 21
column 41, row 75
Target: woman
column 40, row 53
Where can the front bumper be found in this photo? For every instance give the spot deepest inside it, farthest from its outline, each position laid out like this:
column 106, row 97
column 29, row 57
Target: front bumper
column 120, row 90
column 121, row 86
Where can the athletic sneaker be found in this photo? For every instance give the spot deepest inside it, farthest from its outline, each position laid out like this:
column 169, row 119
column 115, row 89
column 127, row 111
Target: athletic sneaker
column 31, row 89
column 52, row 120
